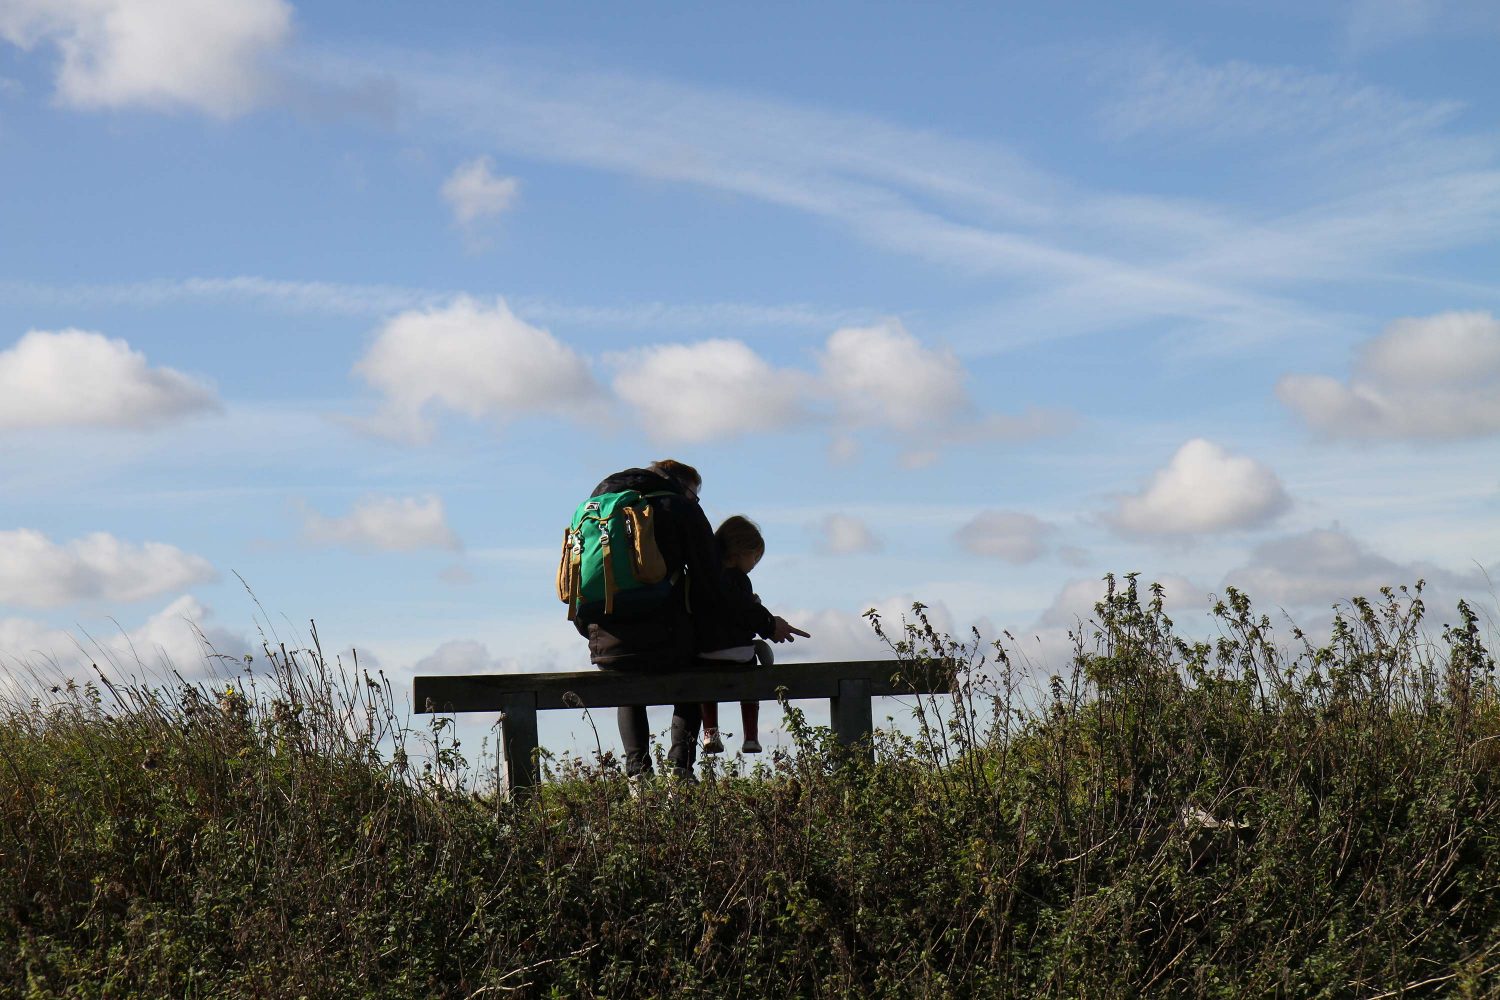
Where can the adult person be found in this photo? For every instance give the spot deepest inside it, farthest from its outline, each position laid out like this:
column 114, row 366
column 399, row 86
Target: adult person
column 669, row 636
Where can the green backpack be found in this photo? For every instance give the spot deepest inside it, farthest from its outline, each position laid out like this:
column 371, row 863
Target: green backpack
column 610, row 560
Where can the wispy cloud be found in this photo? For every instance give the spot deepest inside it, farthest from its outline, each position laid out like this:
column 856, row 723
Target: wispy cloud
column 1374, row 179
column 1069, row 259
column 1170, row 91
column 1374, row 25
column 379, row 300
column 293, row 296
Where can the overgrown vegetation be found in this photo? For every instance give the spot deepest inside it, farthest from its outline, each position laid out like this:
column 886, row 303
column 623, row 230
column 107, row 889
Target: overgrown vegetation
column 1243, row 817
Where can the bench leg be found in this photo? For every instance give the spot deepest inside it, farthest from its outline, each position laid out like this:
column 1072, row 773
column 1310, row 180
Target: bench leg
column 518, row 742
column 852, row 714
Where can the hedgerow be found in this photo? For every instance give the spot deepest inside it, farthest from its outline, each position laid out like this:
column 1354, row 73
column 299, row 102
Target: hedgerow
column 1248, row 816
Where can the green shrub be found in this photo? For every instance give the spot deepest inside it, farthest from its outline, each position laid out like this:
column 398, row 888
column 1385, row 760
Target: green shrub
column 1241, row 817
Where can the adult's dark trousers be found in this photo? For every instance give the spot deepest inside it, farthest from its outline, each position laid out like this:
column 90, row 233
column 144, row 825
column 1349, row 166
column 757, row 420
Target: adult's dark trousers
column 635, row 734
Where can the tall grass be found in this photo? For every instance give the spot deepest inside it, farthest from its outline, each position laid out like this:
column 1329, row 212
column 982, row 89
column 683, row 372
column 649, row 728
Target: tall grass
column 1250, row 816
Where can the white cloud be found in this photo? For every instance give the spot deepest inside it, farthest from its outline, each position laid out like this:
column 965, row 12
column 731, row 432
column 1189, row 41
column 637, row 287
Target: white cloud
column 844, row 534
column 36, row 572
column 1075, row 602
column 181, row 636
column 847, row 635
column 481, row 361
column 390, row 524
column 1203, row 489
column 461, row 656
column 1048, row 643
column 32, row 654
column 465, row 656
column 687, row 393
column 1013, row 536
column 74, row 378
column 1436, row 377
column 883, row 376
column 878, row 377
column 474, row 192
column 164, row 54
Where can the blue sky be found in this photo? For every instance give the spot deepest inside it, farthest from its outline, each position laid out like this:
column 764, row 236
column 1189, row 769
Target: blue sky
column 968, row 304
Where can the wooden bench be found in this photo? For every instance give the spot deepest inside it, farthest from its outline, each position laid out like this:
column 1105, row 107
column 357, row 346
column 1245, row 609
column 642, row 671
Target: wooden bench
column 848, row 686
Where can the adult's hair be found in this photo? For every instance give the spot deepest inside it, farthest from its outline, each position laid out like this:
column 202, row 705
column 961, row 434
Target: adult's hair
column 739, row 534
column 680, row 471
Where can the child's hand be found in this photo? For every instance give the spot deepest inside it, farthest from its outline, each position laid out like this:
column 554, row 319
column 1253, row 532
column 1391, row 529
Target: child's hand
column 784, row 631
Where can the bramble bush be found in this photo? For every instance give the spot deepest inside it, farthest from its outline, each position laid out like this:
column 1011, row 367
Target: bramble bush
column 1248, row 816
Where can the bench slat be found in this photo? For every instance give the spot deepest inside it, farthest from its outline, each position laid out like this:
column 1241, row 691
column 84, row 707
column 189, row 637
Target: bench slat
column 716, row 681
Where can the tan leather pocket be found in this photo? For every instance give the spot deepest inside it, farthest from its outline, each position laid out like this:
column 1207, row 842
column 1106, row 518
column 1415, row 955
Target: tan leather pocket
column 565, row 569
column 645, row 555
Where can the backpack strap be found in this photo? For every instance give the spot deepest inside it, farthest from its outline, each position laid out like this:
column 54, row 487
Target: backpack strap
column 610, row 587
column 577, row 586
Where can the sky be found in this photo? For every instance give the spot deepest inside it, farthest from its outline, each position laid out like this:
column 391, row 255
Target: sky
column 334, row 311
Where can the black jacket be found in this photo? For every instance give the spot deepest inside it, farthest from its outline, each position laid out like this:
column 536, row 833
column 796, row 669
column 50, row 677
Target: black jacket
column 746, row 617
column 693, row 620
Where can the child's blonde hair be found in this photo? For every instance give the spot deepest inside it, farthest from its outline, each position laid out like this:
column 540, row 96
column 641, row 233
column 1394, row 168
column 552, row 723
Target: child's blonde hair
column 739, row 534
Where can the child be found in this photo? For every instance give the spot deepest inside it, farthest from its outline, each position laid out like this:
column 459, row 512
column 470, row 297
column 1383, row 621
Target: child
column 741, row 547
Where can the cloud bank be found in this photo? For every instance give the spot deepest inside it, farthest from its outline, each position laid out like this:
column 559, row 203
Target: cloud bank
column 483, row 361
column 180, row 637
column 1313, row 570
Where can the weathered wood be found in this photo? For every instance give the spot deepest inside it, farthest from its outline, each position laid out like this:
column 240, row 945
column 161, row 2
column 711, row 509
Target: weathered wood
column 518, row 697
column 852, row 714
column 518, row 737
column 714, row 681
